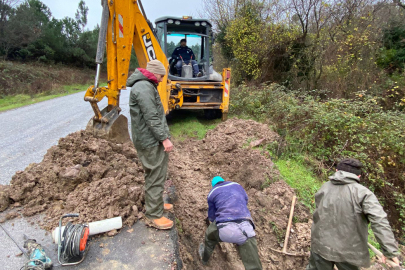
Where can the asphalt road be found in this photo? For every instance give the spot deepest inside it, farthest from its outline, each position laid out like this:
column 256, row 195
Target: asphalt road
column 137, row 248
column 27, row 133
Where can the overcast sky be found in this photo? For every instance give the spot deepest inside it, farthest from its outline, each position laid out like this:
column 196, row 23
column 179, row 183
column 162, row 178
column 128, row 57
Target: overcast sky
column 153, row 9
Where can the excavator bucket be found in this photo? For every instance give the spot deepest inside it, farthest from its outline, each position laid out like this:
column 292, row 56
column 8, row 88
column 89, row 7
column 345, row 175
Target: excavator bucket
column 113, row 127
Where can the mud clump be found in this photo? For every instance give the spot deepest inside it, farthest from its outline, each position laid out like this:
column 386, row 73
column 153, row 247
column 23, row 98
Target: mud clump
column 4, row 198
column 227, row 151
column 82, row 174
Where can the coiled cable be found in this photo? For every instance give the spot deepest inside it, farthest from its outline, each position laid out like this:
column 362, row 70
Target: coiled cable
column 71, row 240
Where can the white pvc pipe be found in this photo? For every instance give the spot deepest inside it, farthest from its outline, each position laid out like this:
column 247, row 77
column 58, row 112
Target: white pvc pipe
column 97, row 227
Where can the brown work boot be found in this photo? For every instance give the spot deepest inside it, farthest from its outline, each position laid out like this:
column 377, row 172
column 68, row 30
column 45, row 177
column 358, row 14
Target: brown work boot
column 159, row 223
column 168, row 207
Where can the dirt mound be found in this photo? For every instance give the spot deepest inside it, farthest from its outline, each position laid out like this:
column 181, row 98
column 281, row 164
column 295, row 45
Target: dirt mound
column 227, row 151
column 82, row 174
column 101, row 179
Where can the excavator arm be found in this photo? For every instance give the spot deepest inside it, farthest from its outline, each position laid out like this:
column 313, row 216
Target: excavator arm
column 123, row 26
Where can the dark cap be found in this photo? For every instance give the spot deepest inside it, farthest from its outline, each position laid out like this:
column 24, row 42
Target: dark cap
column 350, row 165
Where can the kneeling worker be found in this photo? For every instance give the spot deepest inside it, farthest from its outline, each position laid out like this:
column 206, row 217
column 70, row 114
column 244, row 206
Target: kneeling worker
column 231, row 222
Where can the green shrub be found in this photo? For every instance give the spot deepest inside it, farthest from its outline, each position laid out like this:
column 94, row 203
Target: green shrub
column 35, row 78
column 332, row 130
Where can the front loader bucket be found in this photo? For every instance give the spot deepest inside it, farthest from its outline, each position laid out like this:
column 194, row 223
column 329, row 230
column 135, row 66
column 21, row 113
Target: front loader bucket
column 114, row 129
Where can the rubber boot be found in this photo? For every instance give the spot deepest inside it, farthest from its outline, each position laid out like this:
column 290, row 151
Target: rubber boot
column 168, row 207
column 201, row 253
column 160, row 223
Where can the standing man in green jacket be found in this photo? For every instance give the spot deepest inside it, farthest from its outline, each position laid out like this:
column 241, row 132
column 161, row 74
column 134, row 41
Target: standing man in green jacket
column 151, row 137
column 344, row 208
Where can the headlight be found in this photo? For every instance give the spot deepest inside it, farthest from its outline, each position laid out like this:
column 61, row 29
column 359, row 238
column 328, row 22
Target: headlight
column 197, row 24
column 177, row 22
column 203, row 23
column 170, row 21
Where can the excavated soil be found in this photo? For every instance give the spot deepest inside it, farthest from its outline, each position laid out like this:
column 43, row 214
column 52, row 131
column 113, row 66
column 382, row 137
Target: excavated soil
column 227, row 151
column 82, row 174
column 101, row 179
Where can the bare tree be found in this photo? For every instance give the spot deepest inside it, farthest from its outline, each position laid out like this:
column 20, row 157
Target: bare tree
column 399, row 3
column 5, row 7
column 81, row 14
column 304, row 13
column 220, row 12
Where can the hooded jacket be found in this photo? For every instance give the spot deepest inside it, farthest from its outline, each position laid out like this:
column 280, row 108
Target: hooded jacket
column 344, row 208
column 148, row 119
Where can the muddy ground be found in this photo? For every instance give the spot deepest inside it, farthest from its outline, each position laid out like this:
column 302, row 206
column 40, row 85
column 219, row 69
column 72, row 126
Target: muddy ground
column 101, row 179
column 227, row 151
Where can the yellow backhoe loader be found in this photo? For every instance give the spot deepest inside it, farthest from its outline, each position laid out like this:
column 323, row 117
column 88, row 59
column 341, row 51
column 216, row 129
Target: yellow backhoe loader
column 124, row 26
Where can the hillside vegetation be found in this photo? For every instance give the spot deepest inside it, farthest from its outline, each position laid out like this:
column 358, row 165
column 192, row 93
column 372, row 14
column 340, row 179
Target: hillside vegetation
column 329, row 77
column 328, row 49
column 34, row 78
column 329, row 131
column 41, row 54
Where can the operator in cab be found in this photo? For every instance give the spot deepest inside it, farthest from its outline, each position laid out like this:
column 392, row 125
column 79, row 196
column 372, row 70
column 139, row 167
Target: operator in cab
column 185, row 54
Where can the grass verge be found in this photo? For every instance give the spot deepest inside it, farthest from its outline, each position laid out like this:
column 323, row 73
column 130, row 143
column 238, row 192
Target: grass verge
column 300, row 178
column 13, row 102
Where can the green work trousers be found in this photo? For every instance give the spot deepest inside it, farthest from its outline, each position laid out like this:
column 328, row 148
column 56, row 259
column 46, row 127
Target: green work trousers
column 316, row 262
column 247, row 252
column 154, row 161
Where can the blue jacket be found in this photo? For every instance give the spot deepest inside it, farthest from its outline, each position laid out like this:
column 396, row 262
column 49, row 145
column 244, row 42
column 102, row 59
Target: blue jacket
column 184, row 52
column 228, row 201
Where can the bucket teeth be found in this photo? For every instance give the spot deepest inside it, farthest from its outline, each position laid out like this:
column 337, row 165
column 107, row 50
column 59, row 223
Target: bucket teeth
column 114, row 128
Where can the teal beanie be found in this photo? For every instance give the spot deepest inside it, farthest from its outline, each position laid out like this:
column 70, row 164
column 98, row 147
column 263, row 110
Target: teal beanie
column 216, row 180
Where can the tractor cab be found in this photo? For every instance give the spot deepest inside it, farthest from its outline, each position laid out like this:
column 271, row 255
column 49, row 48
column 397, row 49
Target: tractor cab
column 198, row 35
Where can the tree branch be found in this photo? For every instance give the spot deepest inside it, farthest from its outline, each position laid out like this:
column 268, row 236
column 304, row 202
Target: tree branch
column 399, row 3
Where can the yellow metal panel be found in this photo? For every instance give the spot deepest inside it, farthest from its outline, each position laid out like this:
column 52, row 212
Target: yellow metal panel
column 119, row 41
column 124, row 25
column 147, row 48
column 127, row 27
column 226, row 80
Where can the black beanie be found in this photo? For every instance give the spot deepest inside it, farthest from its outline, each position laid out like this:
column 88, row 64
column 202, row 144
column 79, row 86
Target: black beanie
column 350, row 165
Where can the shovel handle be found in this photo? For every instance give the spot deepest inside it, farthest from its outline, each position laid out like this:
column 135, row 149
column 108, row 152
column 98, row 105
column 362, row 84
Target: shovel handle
column 380, row 255
column 287, row 234
column 70, row 215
